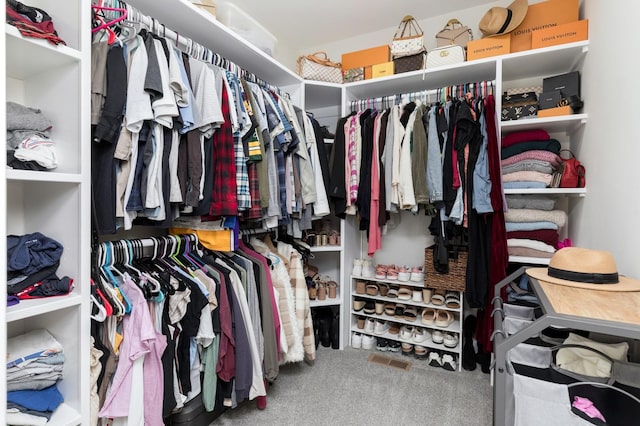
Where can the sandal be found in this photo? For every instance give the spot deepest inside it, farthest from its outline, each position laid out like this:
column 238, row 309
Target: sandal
column 404, row 273
column 417, row 295
column 392, row 293
column 379, row 307
column 310, row 271
column 438, row 297
column 405, row 293
column 381, row 272
column 360, row 287
column 428, row 316
column 358, row 305
column 417, row 274
column 394, row 329
column 372, row 289
column 384, row 289
column 420, row 352
column 400, row 310
column 426, row 295
column 392, row 273
column 333, row 289
column 410, row 314
column 452, row 300
column 390, row 308
column 334, row 238
column 322, row 290
column 443, row 318
column 313, row 292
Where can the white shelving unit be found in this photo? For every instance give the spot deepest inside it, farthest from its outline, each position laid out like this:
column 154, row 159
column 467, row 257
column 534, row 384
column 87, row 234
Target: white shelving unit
column 55, row 79
column 454, row 328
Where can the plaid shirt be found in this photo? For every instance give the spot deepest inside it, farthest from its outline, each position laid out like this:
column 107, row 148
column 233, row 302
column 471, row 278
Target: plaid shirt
column 224, row 202
column 242, row 176
column 255, row 212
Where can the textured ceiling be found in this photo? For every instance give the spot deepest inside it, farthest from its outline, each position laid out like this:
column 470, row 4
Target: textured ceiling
column 308, row 23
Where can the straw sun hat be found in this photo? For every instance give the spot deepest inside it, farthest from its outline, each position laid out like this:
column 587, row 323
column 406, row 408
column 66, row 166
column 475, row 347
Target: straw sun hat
column 503, row 20
column 584, row 268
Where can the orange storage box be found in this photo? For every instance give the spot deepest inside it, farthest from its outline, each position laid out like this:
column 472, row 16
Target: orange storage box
column 488, row 46
column 565, row 33
column 366, row 58
column 540, row 16
column 554, row 112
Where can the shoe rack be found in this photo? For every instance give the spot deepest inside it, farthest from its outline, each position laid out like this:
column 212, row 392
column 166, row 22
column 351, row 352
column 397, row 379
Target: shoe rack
column 367, row 290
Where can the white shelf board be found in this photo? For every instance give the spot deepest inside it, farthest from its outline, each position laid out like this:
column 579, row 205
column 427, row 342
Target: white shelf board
column 189, row 21
column 427, row 343
column 319, row 249
column 454, row 327
column 546, row 61
column 326, row 302
column 31, row 56
column 319, row 94
column 413, row 81
column 580, row 192
column 564, row 123
column 532, row 260
column 35, row 176
column 65, row 415
column 34, row 307
column 405, row 302
column 393, row 282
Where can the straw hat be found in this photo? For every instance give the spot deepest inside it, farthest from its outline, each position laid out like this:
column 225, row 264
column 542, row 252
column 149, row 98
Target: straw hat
column 584, row 268
column 503, row 20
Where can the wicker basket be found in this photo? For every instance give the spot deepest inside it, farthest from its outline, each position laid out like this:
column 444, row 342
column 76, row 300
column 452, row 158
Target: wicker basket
column 456, row 278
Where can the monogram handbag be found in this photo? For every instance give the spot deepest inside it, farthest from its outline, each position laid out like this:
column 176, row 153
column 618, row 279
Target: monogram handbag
column 408, row 63
column 317, row 66
column 448, row 55
column 519, row 105
column 454, row 33
column 408, row 39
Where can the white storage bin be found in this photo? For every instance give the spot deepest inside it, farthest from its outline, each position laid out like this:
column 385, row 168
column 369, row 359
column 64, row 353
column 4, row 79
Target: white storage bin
column 239, row 21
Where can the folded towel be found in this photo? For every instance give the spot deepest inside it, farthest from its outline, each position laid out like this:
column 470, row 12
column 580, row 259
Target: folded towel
column 535, row 154
column 524, row 185
column 529, row 165
column 552, row 145
column 525, row 136
column 530, row 226
column 528, row 252
column 547, row 236
column 528, row 177
column 533, row 244
column 517, row 201
column 559, row 217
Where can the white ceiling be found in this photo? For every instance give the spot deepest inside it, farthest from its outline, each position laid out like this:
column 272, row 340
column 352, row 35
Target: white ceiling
column 315, row 22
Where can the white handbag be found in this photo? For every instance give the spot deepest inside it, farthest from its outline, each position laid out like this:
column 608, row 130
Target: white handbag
column 408, row 39
column 445, row 56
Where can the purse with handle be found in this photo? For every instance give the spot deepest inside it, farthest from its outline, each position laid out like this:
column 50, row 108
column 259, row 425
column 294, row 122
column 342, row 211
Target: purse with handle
column 317, row 66
column 447, row 55
column 573, row 172
column 454, row 33
column 408, row 39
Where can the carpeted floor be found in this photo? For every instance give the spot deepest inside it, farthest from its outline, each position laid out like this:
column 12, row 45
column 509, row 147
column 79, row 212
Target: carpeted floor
column 343, row 388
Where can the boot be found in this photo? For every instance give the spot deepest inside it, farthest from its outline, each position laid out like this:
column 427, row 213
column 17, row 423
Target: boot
column 316, row 326
column 325, row 328
column 468, row 352
column 335, row 329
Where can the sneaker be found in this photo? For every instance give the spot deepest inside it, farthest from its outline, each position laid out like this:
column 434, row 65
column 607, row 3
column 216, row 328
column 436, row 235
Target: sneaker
column 450, row 340
column 368, row 342
column 382, row 344
column 369, row 325
column 394, row 346
column 421, row 334
column 406, row 332
column 356, row 340
column 404, row 273
column 434, row 359
column 449, row 362
column 417, row 274
column 367, row 269
column 437, row 336
column 381, row 327
column 357, row 268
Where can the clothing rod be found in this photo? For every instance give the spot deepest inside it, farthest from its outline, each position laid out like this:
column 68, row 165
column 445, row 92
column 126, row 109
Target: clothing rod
column 425, row 95
column 187, row 45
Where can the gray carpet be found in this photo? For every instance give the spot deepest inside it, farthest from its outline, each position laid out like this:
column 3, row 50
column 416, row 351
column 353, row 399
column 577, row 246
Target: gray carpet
column 343, row 388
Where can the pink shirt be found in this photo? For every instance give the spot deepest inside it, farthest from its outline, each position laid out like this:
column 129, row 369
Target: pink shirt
column 375, row 234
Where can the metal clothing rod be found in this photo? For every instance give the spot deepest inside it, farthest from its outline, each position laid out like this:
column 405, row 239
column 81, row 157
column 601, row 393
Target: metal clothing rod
column 483, row 88
column 189, row 46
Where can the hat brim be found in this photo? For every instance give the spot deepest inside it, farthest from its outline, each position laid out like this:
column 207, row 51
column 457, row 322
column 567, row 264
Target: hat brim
column 519, row 9
column 623, row 284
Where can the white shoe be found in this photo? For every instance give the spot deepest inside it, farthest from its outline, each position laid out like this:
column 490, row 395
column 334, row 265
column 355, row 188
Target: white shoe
column 369, row 325
column 449, row 362
column 417, row 295
column 450, row 340
column 434, row 359
column 367, row 269
column 421, row 334
column 417, row 274
column 356, row 340
column 437, row 336
column 357, row 268
column 406, row 332
column 368, row 342
column 381, row 327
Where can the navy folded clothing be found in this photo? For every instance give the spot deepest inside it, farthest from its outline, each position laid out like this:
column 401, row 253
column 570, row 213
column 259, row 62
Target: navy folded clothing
column 30, row 253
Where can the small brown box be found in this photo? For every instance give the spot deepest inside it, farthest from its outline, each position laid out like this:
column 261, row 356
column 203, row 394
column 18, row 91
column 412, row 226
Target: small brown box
column 366, row 58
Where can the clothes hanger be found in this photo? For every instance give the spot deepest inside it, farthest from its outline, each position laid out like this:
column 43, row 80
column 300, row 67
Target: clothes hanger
column 108, row 24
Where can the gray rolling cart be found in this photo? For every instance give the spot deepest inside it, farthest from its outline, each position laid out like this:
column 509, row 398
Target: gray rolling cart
column 612, row 313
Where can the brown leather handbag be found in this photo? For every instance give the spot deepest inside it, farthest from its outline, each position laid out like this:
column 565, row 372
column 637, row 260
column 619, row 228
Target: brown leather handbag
column 454, row 33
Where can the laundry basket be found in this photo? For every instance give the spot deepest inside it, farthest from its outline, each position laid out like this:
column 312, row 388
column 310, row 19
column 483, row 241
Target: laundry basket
column 454, row 280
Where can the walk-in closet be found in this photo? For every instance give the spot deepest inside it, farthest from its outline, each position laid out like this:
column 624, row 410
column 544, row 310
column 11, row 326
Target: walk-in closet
column 249, row 212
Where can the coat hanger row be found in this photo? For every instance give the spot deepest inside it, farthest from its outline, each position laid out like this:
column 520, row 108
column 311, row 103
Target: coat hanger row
column 478, row 89
column 121, row 11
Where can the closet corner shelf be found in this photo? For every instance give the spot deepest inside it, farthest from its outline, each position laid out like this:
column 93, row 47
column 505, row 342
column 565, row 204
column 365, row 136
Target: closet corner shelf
column 326, row 302
column 34, row 176
column 65, row 415
column 565, row 123
column 531, row 260
column 545, row 61
column 578, row 192
column 319, row 94
column 34, row 307
column 319, row 249
column 28, row 55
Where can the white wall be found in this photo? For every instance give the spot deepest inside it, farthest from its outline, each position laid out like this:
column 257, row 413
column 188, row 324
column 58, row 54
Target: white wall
column 607, row 218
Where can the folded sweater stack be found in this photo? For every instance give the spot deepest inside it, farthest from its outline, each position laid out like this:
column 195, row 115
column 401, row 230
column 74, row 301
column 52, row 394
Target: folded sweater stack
column 35, row 361
column 29, row 144
column 532, row 226
column 529, row 159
